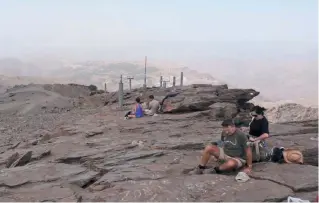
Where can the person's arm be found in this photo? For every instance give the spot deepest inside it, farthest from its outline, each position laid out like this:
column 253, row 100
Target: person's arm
column 248, row 152
column 219, row 142
column 264, row 130
column 134, row 109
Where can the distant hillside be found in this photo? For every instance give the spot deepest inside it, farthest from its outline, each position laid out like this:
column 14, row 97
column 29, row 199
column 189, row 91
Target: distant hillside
column 15, row 67
column 10, row 81
column 98, row 73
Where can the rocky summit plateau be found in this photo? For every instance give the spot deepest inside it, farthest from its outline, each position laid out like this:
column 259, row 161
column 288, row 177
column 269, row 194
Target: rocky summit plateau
column 70, row 143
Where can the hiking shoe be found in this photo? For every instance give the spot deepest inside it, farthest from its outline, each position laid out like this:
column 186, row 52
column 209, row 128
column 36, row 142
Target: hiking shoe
column 197, row 171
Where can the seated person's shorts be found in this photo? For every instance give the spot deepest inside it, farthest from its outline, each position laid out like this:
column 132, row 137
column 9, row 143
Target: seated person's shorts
column 225, row 157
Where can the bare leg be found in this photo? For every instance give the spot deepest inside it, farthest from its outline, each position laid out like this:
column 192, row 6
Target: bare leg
column 213, row 150
column 228, row 165
column 131, row 116
column 210, row 150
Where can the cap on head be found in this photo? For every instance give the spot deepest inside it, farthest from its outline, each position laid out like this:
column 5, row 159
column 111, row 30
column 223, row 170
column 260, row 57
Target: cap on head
column 228, row 122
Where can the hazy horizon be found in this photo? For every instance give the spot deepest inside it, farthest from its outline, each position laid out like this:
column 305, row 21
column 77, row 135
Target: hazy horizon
column 247, row 43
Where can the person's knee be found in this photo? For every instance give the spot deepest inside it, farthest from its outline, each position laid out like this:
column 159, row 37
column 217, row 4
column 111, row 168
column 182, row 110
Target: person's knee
column 231, row 163
column 211, row 149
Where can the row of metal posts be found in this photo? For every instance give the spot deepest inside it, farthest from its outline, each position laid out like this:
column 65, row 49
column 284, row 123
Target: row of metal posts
column 162, row 84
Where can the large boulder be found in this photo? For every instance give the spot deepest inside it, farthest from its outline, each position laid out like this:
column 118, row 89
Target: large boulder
column 223, row 102
column 196, row 98
column 223, row 110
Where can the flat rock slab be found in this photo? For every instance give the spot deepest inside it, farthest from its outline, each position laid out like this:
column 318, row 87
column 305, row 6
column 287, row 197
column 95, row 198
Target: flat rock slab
column 83, row 180
column 128, row 173
column 196, row 188
column 295, row 176
column 301, row 141
column 132, row 156
column 42, row 192
column 12, row 156
column 18, row 176
column 77, row 156
column 289, row 129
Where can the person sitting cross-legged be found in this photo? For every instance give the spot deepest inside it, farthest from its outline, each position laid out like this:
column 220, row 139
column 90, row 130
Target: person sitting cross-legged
column 233, row 150
column 137, row 111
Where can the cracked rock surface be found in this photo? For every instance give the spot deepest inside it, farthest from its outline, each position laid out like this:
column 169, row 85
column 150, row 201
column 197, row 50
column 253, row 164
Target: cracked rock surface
column 93, row 154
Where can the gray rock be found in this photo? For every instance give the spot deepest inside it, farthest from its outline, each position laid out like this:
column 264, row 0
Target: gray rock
column 304, row 142
column 196, row 97
column 14, row 145
column 133, row 156
column 94, row 132
column 42, row 193
column 18, row 176
column 41, row 154
column 295, row 176
column 221, row 111
column 34, row 142
column 77, row 157
column 23, row 160
column 83, row 180
column 11, row 159
column 128, row 173
column 209, row 188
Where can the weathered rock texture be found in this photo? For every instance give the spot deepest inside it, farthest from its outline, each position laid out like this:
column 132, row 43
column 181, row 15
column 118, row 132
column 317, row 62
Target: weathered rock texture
column 291, row 112
column 217, row 102
column 93, row 154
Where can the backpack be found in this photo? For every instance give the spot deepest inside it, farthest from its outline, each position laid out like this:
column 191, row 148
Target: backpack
column 290, row 155
column 259, row 150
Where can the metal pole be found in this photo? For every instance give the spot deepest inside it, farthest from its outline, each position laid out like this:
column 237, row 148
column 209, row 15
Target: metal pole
column 174, row 81
column 145, row 73
column 104, row 87
column 182, row 75
column 161, row 81
column 164, row 84
column 120, row 92
column 130, row 81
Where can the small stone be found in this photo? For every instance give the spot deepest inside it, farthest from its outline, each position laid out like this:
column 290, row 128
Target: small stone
column 97, row 188
column 45, row 153
column 93, row 133
column 14, row 145
column 12, row 159
column 35, row 142
column 26, row 158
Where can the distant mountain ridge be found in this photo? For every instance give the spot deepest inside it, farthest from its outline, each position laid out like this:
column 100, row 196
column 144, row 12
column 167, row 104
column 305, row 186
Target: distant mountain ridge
column 292, row 84
column 99, row 73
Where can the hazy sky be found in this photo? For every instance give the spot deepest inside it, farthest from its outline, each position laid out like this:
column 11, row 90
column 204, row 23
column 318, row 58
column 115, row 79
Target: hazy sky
column 249, row 43
column 36, row 25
